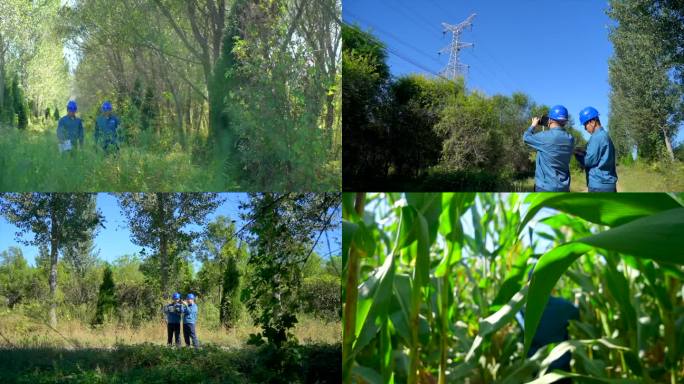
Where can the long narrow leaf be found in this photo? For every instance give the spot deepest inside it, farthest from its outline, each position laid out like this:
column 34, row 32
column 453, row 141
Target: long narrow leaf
column 656, row 237
column 608, row 209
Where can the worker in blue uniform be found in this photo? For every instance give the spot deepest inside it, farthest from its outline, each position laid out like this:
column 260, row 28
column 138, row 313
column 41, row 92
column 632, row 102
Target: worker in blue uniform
column 598, row 159
column 70, row 129
column 554, row 150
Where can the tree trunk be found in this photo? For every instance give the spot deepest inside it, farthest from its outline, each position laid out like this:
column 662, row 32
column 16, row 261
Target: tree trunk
column 54, row 249
column 2, row 71
column 163, row 243
column 668, row 145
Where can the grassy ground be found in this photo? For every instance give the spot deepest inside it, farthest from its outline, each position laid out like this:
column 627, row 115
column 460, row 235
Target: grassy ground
column 31, row 162
column 633, row 178
column 22, row 331
column 150, row 364
column 32, row 352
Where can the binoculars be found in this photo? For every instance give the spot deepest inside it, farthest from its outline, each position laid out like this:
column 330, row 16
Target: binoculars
column 544, row 121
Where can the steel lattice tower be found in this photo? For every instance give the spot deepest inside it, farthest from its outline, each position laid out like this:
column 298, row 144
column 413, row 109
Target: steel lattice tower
column 455, row 67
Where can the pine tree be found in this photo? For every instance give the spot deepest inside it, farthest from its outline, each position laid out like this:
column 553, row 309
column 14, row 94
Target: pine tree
column 230, row 301
column 56, row 115
column 106, row 298
column 22, row 115
column 148, row 109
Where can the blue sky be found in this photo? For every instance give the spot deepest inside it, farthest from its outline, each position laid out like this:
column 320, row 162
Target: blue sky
column 555, row 51
column 114, row 240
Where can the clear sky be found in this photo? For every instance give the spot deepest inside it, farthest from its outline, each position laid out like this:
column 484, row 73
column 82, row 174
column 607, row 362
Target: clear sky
column 114, row 240
column 555, row 51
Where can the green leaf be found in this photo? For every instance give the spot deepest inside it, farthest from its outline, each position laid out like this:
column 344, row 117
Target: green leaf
column 497, row 320
column 656, row 237
column 513, row 279
column 367, row 375
column 430, row 206
column 375, row 295
column 606, row 209
column 557, row 375
column 550, row 267
column 422, row 268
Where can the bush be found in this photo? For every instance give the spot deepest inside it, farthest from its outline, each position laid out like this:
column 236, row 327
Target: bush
column 321, row 297
column 148, row 364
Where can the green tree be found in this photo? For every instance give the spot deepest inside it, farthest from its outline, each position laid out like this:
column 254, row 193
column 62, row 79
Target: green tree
column 80, row 260
column 15, row 276
column 106, row 298
column 55, row 220
column 284, row 229
column 645, row 103
column 222, row 260
column 160, row 221
column 417, row 105
column 148, row 110
column 364, row 89
column 230, row 300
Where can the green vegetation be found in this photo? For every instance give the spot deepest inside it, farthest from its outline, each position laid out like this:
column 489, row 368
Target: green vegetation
column 647, row 96
column 71, row 299
column 414, row 133
column 154, row 364
column 214, row 95
column 435, row 280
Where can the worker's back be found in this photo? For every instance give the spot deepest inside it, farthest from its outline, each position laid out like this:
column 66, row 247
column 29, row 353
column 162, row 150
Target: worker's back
column 553, row 328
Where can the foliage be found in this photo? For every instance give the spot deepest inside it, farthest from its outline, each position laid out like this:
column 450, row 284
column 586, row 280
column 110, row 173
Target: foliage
column 159, row 220
column 442, row 276
column 420, row 133
column 230, row 299
column 321, row 297
column 244, row 88
column 17, row 279
column 156, row 364
column 284, row 229
column 366, row 74
column 54, row 219
column 32, row 162
column 647, row 94
column 106, row 298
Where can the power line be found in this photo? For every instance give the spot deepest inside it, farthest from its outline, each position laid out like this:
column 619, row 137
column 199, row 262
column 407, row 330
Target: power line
column 394, row 37
column 414, row 16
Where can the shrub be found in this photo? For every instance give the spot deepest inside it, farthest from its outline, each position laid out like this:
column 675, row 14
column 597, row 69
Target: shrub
column 321, row 297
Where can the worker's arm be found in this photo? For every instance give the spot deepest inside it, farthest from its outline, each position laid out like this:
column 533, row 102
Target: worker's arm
column 60, row 131
column 533, row 140
column 594, row 150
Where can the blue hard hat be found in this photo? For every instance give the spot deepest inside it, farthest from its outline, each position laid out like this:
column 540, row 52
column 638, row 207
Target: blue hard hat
column 175, row 296
column 71, row 106
column 106, row 106
column 190, row 296
column 587, row 114
column 558, row 112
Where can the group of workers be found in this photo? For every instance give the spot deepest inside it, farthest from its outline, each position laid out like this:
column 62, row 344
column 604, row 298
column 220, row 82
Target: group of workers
column 556, row 146
column 185, row 312
column 70, row 129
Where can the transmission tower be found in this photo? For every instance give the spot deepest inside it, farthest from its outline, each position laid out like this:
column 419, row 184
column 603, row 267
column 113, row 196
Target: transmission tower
column 455, row 68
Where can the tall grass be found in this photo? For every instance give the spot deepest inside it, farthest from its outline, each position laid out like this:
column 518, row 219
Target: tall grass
column 30, row 161
column 21, row 331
